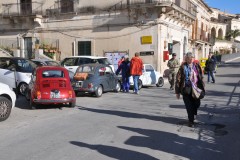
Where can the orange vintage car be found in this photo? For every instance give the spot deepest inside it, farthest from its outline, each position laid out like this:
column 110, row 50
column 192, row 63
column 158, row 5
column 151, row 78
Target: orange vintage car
column 51, row 85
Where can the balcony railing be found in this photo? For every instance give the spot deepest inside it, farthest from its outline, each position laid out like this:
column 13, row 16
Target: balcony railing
column 22, row 9
column 186, row 5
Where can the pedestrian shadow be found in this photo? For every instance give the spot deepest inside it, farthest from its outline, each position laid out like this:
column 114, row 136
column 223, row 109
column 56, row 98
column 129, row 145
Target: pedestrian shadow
column 115, row 152
column 177, row 106
column 171, row 120
column 174, row 144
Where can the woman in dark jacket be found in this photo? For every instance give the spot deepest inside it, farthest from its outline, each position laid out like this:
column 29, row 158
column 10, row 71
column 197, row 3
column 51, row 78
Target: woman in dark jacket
column 125, row 69
column 189, row 74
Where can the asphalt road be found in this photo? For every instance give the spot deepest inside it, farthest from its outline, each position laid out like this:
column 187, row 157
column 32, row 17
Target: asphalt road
column 148, row 126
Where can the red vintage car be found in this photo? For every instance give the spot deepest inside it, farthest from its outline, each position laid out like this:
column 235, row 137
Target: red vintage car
column 51, row 85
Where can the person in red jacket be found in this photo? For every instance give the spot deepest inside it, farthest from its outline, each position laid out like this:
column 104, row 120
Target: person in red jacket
column 136, row 67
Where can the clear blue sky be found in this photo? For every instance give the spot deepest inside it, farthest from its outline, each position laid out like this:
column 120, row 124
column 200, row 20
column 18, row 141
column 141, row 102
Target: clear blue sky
column 229, row 6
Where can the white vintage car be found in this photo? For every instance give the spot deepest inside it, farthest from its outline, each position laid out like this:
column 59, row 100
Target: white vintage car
column 149, row 77
column 7, row 101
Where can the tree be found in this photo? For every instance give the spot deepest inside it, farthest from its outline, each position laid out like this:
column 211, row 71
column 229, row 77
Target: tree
column 233, row 34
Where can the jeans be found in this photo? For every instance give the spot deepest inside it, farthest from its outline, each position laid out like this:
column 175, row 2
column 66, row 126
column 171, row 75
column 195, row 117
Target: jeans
column 210, row 74
column 135, row 81
column 125, row 84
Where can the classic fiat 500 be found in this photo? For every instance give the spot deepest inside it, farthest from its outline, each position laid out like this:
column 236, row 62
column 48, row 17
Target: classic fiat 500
column 95, row 79
column 51, row 85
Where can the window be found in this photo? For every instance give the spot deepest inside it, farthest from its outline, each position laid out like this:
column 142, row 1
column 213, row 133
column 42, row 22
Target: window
column 70, row 62
column 84, row 61
column 103, row 61
column 85, row 69
column 149, row 68
column 24, row 65
column 52, row 74
column 84, row 48
column 66, row 6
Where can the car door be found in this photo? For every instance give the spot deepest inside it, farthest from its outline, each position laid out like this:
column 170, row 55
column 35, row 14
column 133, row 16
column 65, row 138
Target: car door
column 7, row 72
column 145, row 76
column 111, row 80
column 71, row 63
column 151, row 75
column 104, row 78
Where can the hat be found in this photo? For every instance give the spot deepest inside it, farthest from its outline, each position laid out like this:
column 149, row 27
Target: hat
column 174, row 54
column 126, row 56
column 189, row 54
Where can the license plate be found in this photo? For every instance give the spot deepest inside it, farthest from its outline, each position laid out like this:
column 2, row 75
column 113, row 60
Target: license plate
column 55, row 94
column 79, row 84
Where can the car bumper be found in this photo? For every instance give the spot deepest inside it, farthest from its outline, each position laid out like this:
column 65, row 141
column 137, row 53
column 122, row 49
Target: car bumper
column 54, row 101
column 90, row 90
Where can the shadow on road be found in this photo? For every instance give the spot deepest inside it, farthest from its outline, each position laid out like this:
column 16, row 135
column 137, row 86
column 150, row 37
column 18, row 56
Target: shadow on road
column 173, row 143
column 171, row 120
column 115, row 152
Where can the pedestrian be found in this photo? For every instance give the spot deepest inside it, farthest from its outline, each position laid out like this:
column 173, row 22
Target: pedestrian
column 189, row 75
column 125, row 71
column 120, row 61
column 210, row 67
column 173, row 65
column 136, row 67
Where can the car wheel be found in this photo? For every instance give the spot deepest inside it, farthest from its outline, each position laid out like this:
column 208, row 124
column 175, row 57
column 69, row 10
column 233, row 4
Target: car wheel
column 22, row 88
column 5, row 108
column 140, row 84
column 72, row 104
column 160, row 82
column 118, row 87
column 32, row 105
column 99, row 91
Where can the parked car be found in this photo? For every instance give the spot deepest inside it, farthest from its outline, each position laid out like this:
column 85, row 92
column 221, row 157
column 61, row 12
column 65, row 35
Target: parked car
column 16, row 72
column 149, row 77
column 51, row 85
column 95, row 79
column 7, row 101
column 45, row 62
column 72, row 63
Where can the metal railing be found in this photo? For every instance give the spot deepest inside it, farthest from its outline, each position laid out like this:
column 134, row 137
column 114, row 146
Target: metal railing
column 22, row 9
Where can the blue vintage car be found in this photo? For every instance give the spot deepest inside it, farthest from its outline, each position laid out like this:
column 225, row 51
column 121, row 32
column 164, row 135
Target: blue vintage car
column 95, row 79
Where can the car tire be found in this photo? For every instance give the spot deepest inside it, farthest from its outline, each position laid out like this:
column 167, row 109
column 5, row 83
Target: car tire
column 32, row 105
column 72, row 104
column 140, row 84
column 22, row 88
column 5, row 108
column 76, row 93
column 160, row 82
column 99, row 91
column 118, row 87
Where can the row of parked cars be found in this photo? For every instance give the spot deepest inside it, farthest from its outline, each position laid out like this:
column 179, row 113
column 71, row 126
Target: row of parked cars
column 50, row 82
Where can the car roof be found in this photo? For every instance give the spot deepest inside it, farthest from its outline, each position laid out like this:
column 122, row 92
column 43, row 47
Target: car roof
column 92, row 57
column 51, row 67
column 42, row 60
column 15, row 58
column 94, row 65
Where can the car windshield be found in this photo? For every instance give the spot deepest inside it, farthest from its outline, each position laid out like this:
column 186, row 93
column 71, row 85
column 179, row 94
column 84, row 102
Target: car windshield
column 52, row 74
column 52, row 63
column 103, row 61
column 25, row 65
column 85, row 69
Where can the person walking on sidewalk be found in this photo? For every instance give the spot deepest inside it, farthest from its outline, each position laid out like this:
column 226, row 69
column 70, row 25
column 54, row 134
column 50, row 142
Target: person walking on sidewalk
column 136, row 67
column 189, row 74
column 173, row 65
column 125, row 70
column 210, row 67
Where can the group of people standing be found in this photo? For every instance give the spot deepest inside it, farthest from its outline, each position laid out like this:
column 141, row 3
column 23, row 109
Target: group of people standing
column 129, row 68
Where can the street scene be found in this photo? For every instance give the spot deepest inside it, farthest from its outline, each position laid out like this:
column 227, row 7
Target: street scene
column 126, row 126
column 119, row 79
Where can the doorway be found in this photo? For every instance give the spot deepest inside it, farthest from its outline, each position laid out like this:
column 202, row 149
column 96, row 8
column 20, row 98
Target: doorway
column 26, row 7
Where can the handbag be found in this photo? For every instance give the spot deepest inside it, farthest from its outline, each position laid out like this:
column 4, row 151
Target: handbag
column 197, row 93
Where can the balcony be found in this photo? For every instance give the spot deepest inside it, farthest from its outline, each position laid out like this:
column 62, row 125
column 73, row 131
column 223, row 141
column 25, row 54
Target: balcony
column 21, row 9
